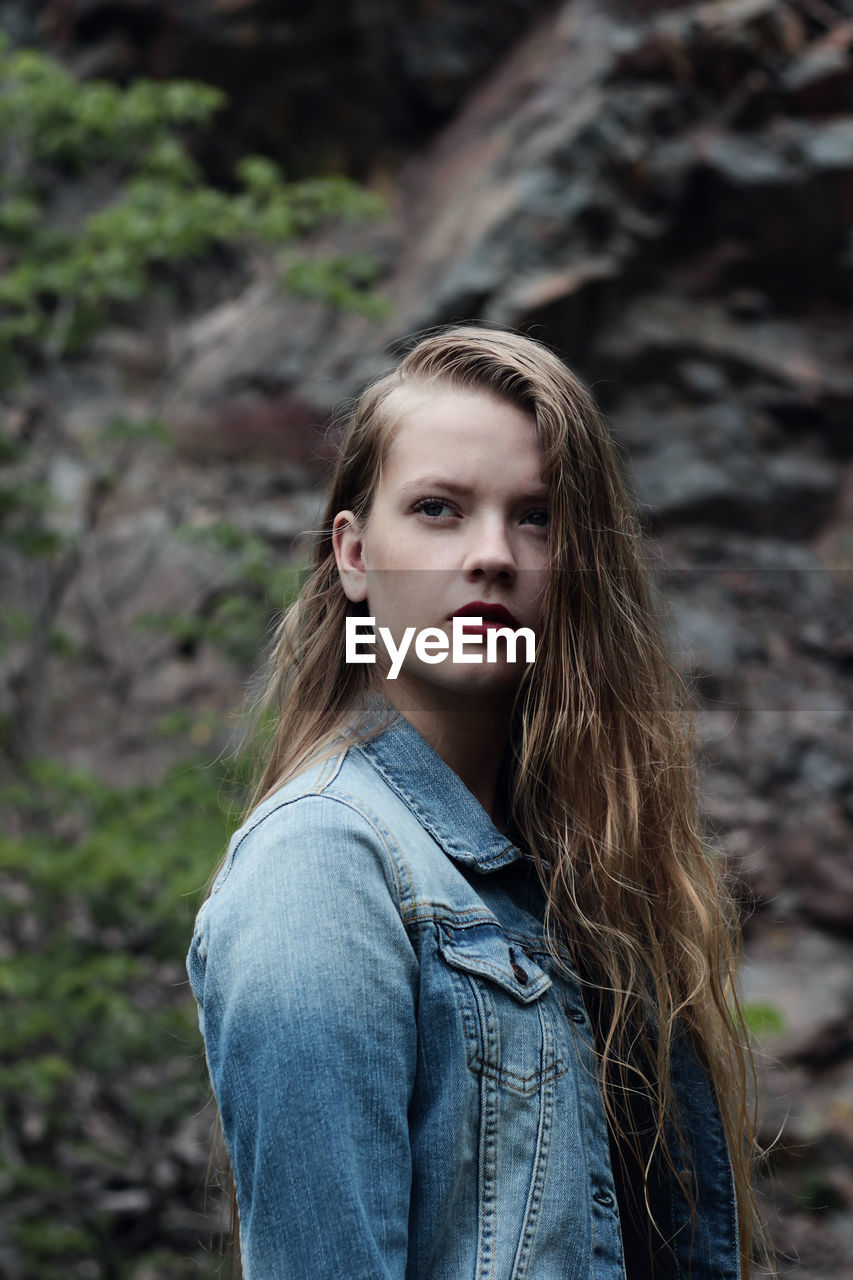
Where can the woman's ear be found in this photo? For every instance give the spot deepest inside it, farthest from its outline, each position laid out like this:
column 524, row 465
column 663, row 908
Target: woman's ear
column 347, row 543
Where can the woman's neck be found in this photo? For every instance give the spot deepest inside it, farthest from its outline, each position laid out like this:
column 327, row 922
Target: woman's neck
column 468, row 733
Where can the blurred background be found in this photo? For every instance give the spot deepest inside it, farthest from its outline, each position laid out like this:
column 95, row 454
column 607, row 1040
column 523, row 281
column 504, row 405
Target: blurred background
column 194, row 279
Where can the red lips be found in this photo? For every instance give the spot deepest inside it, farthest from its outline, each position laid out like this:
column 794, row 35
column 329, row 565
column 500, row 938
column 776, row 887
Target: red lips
column 488, row 612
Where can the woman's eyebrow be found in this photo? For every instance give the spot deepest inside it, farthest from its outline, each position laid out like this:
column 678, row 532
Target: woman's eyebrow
column 537, row 494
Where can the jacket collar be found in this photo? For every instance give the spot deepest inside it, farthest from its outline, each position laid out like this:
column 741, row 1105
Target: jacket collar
column 436, row 795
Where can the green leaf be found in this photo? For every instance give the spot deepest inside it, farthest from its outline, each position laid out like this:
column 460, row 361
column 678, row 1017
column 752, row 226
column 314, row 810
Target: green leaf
column 19, row 215
column 260, row 175
column 763, row 1019
column 123, row 429
column 344, row 282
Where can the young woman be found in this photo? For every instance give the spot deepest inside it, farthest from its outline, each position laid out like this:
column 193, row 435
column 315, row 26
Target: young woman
column 464, row 977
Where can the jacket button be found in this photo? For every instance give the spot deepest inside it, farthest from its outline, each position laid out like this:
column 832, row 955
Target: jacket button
column 520, row 974
column 603, row 1198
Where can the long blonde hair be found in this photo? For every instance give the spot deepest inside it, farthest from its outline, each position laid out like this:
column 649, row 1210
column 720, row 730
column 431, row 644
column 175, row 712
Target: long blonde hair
column 598, row 769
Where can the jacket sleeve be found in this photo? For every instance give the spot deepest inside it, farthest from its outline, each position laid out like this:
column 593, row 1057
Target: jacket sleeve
column 306, row 983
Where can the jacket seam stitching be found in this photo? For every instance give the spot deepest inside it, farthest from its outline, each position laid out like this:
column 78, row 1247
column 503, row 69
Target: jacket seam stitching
column 452, row 847
column 395, row 855
column 382, row 835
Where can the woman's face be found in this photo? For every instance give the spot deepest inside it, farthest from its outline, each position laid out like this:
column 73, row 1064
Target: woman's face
column 459, row 519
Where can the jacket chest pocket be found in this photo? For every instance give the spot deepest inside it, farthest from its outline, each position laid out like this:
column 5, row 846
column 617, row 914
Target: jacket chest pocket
column 508, row 1024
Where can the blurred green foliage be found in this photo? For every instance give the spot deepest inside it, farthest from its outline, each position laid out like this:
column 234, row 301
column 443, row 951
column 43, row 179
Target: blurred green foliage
column 100, row 1062
column 763, row 1019
column 253, row 586
column 101, row 205
column 99, row 191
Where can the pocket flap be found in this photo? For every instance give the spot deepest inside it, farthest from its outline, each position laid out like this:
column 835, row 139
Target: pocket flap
column 485, row 951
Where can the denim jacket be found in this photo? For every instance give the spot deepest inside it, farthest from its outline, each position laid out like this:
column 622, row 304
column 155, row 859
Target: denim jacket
column 406, row 1079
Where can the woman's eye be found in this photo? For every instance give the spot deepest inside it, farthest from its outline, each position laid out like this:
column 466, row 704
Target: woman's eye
column 539, row 517
column 427, row 507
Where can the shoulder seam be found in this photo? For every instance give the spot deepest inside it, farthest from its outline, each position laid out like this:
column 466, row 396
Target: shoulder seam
column 354, row 805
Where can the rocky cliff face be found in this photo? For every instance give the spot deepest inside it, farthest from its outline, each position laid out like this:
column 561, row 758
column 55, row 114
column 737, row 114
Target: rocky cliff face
column 320, row 86
column 667, row 198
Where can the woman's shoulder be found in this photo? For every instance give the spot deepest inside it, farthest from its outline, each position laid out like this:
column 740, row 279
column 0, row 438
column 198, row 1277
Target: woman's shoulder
column 337, row 788
column 332, row 815
column 307, row 867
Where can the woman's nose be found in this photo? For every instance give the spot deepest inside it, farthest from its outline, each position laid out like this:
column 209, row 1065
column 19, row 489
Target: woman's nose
column 490, row 548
